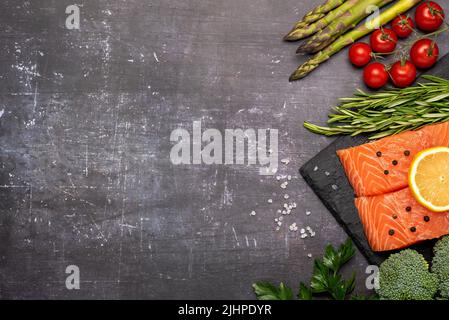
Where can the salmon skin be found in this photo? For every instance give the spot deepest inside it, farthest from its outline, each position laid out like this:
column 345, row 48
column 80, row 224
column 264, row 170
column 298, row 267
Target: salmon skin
column 396, row 220
column 382, row 166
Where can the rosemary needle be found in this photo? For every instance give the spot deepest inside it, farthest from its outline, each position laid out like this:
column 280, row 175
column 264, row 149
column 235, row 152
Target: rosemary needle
column 390, row 112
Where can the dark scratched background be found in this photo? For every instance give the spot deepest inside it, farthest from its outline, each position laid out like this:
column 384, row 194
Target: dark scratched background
column 85, row 175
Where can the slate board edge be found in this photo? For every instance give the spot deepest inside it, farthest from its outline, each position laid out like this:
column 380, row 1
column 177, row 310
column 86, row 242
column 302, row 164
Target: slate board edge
column 371, row 259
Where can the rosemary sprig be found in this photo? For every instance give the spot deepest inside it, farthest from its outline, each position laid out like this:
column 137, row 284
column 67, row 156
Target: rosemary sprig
column 390, row 112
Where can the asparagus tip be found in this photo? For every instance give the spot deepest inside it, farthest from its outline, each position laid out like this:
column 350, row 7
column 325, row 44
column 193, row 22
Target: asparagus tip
column 290, row 37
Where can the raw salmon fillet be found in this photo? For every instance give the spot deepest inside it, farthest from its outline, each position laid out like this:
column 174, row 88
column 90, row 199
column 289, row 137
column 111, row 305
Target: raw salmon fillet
column 396, row 220
column 382, row 166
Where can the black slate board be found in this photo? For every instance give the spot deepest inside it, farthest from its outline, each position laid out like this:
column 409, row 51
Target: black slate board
column 325, row 175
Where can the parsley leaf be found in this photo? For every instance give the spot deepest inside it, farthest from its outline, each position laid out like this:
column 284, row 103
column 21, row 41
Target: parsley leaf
column 325, row 278
column 304, row 292
column 267, row 291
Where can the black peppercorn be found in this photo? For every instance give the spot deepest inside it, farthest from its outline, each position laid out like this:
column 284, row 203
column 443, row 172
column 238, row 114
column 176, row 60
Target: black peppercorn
column 386, row 172
column 379, row 154
column 395, row 162
column 395, row 216
column 391, row 232
column 412, row 229
column 426, row 218
column 406, row 153
column 408, row 209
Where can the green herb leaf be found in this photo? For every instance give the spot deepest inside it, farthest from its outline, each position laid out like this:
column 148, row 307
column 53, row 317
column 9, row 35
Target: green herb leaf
column 267, row 291
column 304, row 292
column 389, row 112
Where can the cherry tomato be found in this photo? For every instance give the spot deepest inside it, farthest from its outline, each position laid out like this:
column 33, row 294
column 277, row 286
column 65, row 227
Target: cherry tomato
column 375, row 75
column 429, row 16
column 424, row 53
column 403, row 26
column 360, row 54
column 383, row 40
column 403, row 73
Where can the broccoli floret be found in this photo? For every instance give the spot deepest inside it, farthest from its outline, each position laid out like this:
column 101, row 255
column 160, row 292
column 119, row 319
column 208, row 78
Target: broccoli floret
column 440, row 265
column 406, row 276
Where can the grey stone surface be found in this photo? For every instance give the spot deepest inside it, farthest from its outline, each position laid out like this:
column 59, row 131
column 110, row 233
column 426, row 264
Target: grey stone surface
column 85, row 176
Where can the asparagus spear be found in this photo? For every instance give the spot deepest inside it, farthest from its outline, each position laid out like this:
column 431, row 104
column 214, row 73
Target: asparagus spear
column 398, row 8
column 314, row 15
column 339, row 26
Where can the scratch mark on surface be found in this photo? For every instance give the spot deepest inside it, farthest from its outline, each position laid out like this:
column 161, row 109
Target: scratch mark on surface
column 35, row 98
column 86, row 171
column 125, row 225
column 235, row 236
column 190, row 266
column 31, row 201
column 155, row 57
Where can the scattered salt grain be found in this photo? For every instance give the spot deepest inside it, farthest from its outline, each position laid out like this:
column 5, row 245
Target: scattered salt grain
column 327, row 173
column 309, row 255
column 285, row 161
column 270, row 200
column 284, row 185
column 289, row 177
column 286, row 196
column 253, row 213
column 308, row 213
column 315, row 169
column 335, row 187
column 302, row 231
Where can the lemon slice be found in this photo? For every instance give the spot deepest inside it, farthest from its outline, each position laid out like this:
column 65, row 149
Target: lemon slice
column 429, row 178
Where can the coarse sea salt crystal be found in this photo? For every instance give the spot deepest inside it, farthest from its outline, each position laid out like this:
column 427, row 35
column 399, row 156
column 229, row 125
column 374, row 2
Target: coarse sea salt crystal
column 253, row 213
column 270, row 200
column 308, row 213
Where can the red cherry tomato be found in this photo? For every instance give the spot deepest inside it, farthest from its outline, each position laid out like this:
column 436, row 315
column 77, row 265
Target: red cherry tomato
column 429, row 16
column 424, row 53
column 383, row 40
column 360, row 54
column 403, row 73
column 403, row 26
column 375, row 75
